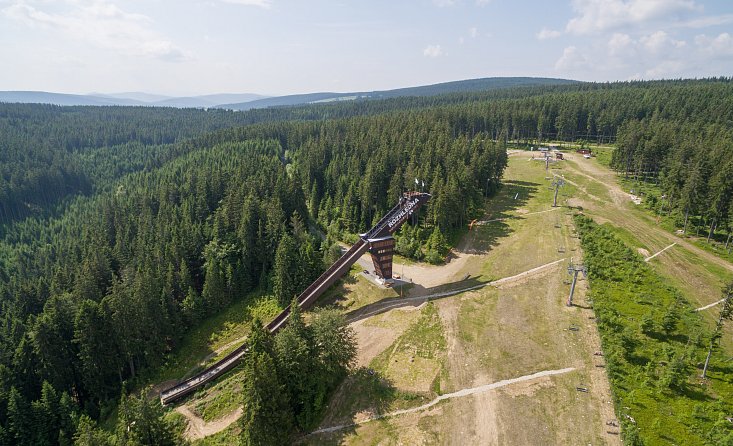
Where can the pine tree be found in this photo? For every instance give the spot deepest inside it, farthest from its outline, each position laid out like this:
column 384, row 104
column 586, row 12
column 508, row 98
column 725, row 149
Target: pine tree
column 266, row 418
column 260, row 340
column 215, row 286
column 141, row 422
column 88, row 434
column 19, row 422
column 284, row 274
column 335, row 342
column 296, row 362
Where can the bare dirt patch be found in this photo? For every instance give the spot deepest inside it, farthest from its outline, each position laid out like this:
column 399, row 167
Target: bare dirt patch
column 198, row 428
column 374, row 335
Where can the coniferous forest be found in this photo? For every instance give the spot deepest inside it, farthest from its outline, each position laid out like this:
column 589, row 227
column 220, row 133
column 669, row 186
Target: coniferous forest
column 123, row 227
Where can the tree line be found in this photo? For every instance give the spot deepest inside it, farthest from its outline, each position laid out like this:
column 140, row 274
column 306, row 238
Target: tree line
column 692, row 165
column 50, row 151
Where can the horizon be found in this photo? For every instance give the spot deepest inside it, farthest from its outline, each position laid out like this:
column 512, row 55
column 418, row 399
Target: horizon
column 280, row 47
column 164, row 97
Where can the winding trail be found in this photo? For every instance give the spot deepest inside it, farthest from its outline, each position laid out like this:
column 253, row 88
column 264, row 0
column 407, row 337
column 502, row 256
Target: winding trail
column 198, row 428
column 654, row 255
column 635, row 224
column 459, row 394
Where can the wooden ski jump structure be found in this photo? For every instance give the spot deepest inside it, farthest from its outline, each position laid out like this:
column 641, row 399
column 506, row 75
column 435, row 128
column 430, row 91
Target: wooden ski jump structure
column 378, row 241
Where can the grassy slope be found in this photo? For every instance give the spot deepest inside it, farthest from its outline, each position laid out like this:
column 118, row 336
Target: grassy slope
column 491, row 335
column 212, row 334
column 626, row 290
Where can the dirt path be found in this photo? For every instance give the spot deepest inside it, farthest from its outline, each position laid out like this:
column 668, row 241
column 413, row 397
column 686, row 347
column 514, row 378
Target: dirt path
column 524, row 274
column 198, row 428
column 483, row 222
column 382, row 307
column 594, row 172
column 710, row 305
column 657, row 253
column 459, row 394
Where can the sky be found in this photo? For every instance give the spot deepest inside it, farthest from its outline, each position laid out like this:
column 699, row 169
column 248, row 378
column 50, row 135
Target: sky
column 276, row 47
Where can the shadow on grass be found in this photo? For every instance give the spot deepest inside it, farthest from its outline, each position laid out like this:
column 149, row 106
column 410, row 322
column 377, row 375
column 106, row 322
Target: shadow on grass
column 499, row 210
column 364, row 394
column 717, row 371
column 424, row 295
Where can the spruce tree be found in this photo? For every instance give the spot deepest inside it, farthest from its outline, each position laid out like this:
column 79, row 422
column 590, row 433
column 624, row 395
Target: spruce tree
column 266, row 414
column 285, row 272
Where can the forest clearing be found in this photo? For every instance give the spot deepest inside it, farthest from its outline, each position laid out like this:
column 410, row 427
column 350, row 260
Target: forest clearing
column 410, row 353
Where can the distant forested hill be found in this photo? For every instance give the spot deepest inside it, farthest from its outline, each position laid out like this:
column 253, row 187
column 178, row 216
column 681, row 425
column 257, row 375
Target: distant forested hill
column 465, row 86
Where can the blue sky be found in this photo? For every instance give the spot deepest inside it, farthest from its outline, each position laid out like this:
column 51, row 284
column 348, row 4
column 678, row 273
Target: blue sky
column 189, row 47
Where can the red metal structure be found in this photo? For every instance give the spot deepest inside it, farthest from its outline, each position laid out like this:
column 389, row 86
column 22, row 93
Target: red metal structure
column 381, row 232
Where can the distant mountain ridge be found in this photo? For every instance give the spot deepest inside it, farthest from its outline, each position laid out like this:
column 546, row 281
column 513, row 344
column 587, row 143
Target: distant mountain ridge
column 469, row 85
column 129, row 98
column 247, row 101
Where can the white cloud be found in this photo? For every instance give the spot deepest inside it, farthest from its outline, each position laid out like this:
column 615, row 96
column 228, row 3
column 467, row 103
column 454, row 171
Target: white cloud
column 716, row 47
column 620, row 45
column 444, row 3
column 473, row 32
column 571, row 59
column 664, row 69
column 660, row 43
column 652, row 55
column 546, row 33
column 649, row 38
column 706, row 21
column 595, row 16
column 265, row 4
column 100, row 23
column 432, row 51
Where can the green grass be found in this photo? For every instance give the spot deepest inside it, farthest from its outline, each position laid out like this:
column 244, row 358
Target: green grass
column 625, row 235
column 221, row 399
column 603, row 154
column 424, row 341
column 715, row 248
column 177, row 419
column 227, row 437
column 213, row 333
column 424, row 338
column 669, row 404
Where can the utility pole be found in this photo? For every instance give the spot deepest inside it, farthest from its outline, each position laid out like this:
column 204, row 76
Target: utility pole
column 573, row 270
column 558, row 183
column 725, row 312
